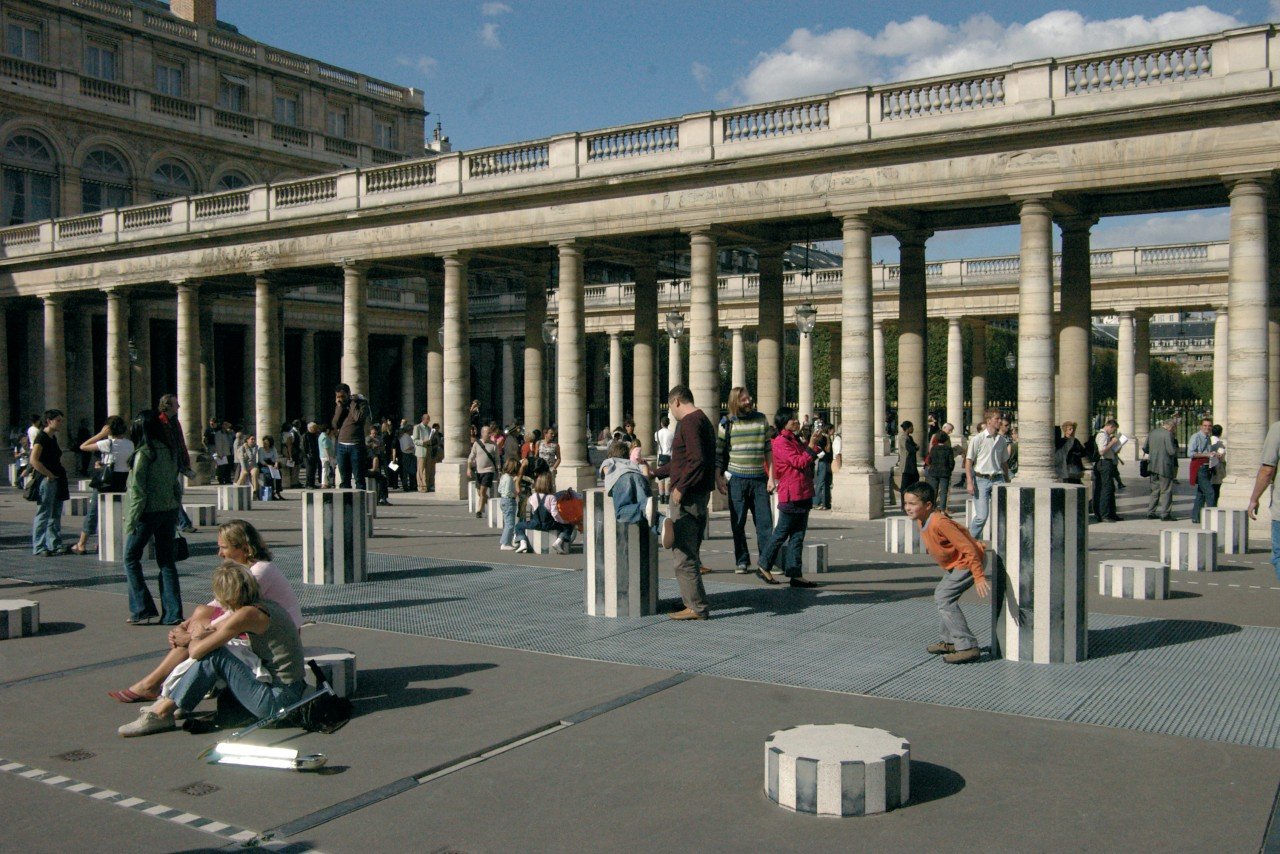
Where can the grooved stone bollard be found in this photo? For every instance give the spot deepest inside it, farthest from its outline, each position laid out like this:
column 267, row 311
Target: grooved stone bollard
column 1231, row 526
column 622, row 561
column 338, row 666
column 83, row 485
column 837, row 769
column 334, row 527
column 78, row 505
column 540, row 541
column 11, row 474
column 473, row 498
column 1039, row 611
column 19, row 618
column 902, row 536
column 1189, row 549
column 815, row 559
column 202, row 514
column 493, row 513
column 371, row 502
column 111, row 526
column 1133, row 579
column 235, row 498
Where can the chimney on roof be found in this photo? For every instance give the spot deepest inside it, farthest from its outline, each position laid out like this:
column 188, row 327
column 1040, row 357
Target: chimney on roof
column 202, row 13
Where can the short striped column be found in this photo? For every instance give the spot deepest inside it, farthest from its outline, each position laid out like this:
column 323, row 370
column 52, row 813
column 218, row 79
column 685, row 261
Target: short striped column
column 371, row 501
column 622, row 561
column 1133, row 579
column 111, row 526
column 902, row 536
column 334, row 526
column 970, row 509
column 235, row 498
column 83, row 485
column 1039, row 611
column 19, row 618
column 815, row 559
column 837, row 769
column 202, row 514
column 493, row 513
column 473, row 498
column 78, row 505
column 338, row 666
column 11, row 474
column 1231, row 526
column 1189, row 549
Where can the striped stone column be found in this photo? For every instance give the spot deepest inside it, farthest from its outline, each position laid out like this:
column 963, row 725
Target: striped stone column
column 19, row 618
column 338, row 666
column 1040, row 537
column 815, row 559
column 333, row 536
column 235, row 498
column 1133, row 579
column 1231, row 526
column 78, row 505
column 1189, row 549
column 111, row 526
column 202, row 514
column 622, row 561
column 902, row 536
column 837, row 769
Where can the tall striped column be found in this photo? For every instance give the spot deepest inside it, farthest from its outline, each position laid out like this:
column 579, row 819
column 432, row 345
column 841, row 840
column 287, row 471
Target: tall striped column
column 1040, row 538
column 333, row 536
column 622, row 562
column 111, row 526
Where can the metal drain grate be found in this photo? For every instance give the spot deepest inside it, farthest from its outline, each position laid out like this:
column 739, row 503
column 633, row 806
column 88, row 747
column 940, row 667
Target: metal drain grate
column 75, row 756
column 197, row 790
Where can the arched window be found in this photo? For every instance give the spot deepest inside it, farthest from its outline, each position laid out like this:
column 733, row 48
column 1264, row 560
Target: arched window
column 30, row 180
column 104, row 182
column 171, row 179
column 232, row 181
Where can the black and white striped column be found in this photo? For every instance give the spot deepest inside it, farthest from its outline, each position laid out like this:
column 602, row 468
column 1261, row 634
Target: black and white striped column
column 815, row 559
column 334, row 524
column 493, row 513
column 338, row 666
column 622, row 561
column 78, row 505
column 1231, row 526
column 11, row 474
column 1127, row 578
column 837, row 769
column 1189, row 549
column 19, row 618
column 235, row 499
column 111, row 526
column 202, row 514
column 1040, row 534
column 902, row 536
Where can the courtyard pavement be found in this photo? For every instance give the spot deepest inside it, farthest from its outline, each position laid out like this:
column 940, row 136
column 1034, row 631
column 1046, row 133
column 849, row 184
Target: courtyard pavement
column 493, row 715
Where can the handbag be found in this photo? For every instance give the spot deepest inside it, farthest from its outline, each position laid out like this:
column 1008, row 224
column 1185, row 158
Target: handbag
column 32, row 490
column 181, row 551
column 1144, row 468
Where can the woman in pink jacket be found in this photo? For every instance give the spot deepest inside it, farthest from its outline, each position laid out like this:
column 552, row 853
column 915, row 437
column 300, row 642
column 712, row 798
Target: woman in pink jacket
column 793, row 463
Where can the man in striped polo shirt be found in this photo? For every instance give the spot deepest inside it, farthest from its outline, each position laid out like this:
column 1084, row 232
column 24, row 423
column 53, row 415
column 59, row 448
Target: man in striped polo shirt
column 744, row 469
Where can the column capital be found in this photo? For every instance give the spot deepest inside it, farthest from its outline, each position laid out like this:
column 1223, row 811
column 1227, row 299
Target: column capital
column 1222, row 309
column 571, row 245
column 188, row 284
column 1076, row 223
column 1252, row 183
column 354, row 264
column 864, row 215
column 54, row 299
column 913, row 236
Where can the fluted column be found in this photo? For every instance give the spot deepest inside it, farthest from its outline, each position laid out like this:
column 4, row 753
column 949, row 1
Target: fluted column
column 310, row 408
column 1141, row 379
column 355, row 327
column 913, row 394
column 451, row 473
column 1221, row 364
column 508, row 383
column 1125, row 411
column 675, row 376
column 266, row 354
column 409, row 380
column 208, row 394
column 770, row 338
column 738, row 378
column 881, row 440
column 978, row 365
column 119, row 394
column 857, row 489
column 704, row 340
column 571, row 353
column 1076, row 330
column 1035, row 343
column 955, row 374
column 189, row 356
column 535, row 312
column 804, row 397
column 616, row 405
column 435, row 347
column 644, row 356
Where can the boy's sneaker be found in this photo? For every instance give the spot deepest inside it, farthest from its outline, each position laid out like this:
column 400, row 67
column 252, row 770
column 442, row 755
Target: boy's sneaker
column 668, row 533
column 970, row 654
column 147, row 723
column 940, row 648
column 507, row 548
column 522, row 547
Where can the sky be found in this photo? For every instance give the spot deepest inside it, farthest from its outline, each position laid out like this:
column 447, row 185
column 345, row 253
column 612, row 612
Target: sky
column 501, row 71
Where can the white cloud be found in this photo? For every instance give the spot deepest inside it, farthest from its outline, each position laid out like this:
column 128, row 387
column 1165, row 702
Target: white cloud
column 811, row 62
column 489, row 36
column 492, row 10
column 1174, row 227
column 702, row 73
column 425, row 65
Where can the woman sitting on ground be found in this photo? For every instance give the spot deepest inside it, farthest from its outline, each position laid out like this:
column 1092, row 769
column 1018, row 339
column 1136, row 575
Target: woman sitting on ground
column 240, row 542
column 544, row 515
column 273, row 638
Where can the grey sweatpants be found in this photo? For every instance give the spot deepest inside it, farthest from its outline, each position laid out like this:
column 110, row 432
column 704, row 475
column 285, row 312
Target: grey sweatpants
column 955, row 629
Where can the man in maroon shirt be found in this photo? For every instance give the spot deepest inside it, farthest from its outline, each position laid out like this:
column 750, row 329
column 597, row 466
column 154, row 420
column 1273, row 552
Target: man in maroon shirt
column 692, row 470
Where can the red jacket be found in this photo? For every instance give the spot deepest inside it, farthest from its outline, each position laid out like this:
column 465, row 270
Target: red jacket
column 792, row 467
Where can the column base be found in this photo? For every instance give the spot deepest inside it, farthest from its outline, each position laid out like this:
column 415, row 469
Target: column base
column 202, row 465
column 578, row 477
column 452, row 480
column 1236, row 490
column 859, row 495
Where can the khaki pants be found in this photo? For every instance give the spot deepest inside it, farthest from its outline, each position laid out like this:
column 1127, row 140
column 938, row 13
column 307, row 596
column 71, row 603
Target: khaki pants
column 424, row 483
column 690, row 520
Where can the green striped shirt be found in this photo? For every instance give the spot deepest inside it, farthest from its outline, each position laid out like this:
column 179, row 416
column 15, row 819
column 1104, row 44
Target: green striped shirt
column 742, row 444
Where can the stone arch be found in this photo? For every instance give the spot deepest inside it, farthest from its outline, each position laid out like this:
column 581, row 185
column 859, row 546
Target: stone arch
column 230, row 168
column 31, row 159
column 164, row 162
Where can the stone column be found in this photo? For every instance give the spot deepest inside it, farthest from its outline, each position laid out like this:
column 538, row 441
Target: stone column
column 675, row 376
column 5, row 415
column 189, row 356
column 119, row 396
column 140, row 370
column 1221, row 363
column 739, row 352
column 247, row 381
column 266, row 354
column 857, row 489
column 913, row 394
column 435, row 348
column 770, row 340
column 1248, row 298
column 877, row 390
column 571, row 351
column 1126, row 414
column 616, row 404
column 1035, row 344
column 355, row 327
column 508, row 383
column 704, row 340
column 644, row 356
column 804, row 397
column 79, row 339
column 1273, row 366
column 308, row 365
column 208, row 394
column 55, row 356
column 834, row 387
column 1076, row 331
column 1141, row 380
column 978, row 365
column 408, row 380
column 535, row 312
column 451, row 473
column 955, row 375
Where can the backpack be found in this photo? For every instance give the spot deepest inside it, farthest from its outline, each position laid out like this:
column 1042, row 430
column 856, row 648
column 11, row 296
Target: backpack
column 1091, row 449
column 570, row 506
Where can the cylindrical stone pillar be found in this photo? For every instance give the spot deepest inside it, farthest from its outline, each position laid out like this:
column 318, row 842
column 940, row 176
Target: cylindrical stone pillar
column 266, row 354
column 644, row 356
column 535, row 312
column 571, row 355
column 704, row 339
column 913, row 395
column 1076, row 330
column 622, row 561
column 119, row 400
column 880, row 436
column 616, row 405
column 769, row 332
column 508, row 383
column 189, row 355
column 978, row 365
column 310, row 408
column 435, row 347
column 1141, row 380
column 955, row 375
column 5, row 414
column 451, row 479
column 355, row 327
column 1126, row 414
column 1035, row 344
column 208, row 393
column 739, row 352
column 804, row 399
column 140, row 356
column 675, row 376
column 55, row 357
column 1273, row 366
column 409, row 379
column 1221, row 363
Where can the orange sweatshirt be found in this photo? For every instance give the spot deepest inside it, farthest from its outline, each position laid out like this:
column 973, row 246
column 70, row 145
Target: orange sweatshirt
column 951, row 545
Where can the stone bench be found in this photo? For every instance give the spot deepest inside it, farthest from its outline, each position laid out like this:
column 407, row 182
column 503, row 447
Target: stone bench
column 78, row 505
column 235, row 499
column 19, row 618
column 1189, row 549
column 338, row 666
column 902, row 536
column 1231, row 526
column 334, row 528
column 111, row 526
column 837, row 769
column 202, row 514
column 540, row 541
column 1133, row 579
column 815, row 559
column 622, row 561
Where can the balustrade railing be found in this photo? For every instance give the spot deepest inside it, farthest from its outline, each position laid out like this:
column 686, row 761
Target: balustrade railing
column 131, row 218
column 633, row 142
column 782, row 120
column 222, row 204
column 508, row 161
column 104, row 7
column 405, row 176
column 28, row 72
column 337, row 145
column 174, row 107
column 1174, row 254
column 81, row 226
column 288, row 60
column 232, row 45
column 20, row 235
column 233, row 121
column 336, row 75
column 1139, row 69
column 105, row 90
column 172, row 26
column 305, row 192
column 951, row 96
column 290, row 134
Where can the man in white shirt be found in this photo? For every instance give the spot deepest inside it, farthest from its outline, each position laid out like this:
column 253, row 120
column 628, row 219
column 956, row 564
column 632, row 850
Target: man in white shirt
column 986, row 464
column 1108, row 442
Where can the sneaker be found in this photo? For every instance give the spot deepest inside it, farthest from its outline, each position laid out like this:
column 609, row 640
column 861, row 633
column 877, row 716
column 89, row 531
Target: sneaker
column 963, row 655
column 147, row 723
column 940, row 648
column 560, row 547
column 507, row 548
column 522, row 547
column 668, row 533
column 743, row 570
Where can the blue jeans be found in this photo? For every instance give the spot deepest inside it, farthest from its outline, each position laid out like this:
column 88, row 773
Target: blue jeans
column 46, row 528
column 141, row 606
column 508, row 506
column 184, row 521
column 749, row 494
column 260, row 698
column 1204, row 494
column 90, row 526
column 822, row 482
column 982, row 506
column 790, row 532
column 351, row 458
column 1275, row 547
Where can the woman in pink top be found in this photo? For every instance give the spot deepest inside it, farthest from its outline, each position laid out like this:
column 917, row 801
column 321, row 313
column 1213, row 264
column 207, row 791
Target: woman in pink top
column 793, row 462
column 238, row 541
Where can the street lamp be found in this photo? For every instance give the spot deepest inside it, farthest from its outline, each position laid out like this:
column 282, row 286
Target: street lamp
column 550, row 331
column 675, row 323
column 806, row 317
column 1010, row 361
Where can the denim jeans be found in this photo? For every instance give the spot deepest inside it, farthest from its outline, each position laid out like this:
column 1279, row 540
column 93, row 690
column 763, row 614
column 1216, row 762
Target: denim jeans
column 749, row 494
column 160, row 525
column 1275, row 547
column 982, row 504
column 1205, row 496
column 790, row 532
column 184, row 521
column 46, row 528
column 351, row 458
column 822, row 483
column 90, row 526
column 508, row 506
column 259, row 698
column 941, row 484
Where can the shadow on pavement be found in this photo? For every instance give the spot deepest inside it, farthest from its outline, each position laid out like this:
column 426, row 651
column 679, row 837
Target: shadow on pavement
column 783, row 599
column 357, row 607
column 59, row 628
column 930, row 782
column 433, row 571
column 1153, row 635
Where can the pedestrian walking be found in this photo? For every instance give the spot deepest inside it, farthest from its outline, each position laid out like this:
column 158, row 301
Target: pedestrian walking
column 986, row 464
column 1108, row 442
column 482, row 466
column 744, row 466
column 1204, row 460
column 350, row 415
column 940, row 463
column 908, row 450
column 1068, row 456
column 1262, row 480
column 311, row 454
column 151, row 511
column 1161, row 448
column 168, row 413
column 793, row 464
column 692, row 473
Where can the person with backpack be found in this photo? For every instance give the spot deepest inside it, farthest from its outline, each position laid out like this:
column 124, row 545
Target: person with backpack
column 482, row 465
column 114, row 449
column 544, row 515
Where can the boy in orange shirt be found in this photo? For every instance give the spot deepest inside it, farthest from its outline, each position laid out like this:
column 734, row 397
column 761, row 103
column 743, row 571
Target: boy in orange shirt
column 960, row 555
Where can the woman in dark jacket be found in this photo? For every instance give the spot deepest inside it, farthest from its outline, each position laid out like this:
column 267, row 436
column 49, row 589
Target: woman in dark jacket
column 793, row 464
column 151, row 510
column 907, row 451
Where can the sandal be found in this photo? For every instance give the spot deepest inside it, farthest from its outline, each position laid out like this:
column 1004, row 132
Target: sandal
column 128, row 695
column 766, row 576
column 76, row 550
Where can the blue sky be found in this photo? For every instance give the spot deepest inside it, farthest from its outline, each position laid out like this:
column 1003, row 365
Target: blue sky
column 499, row 71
